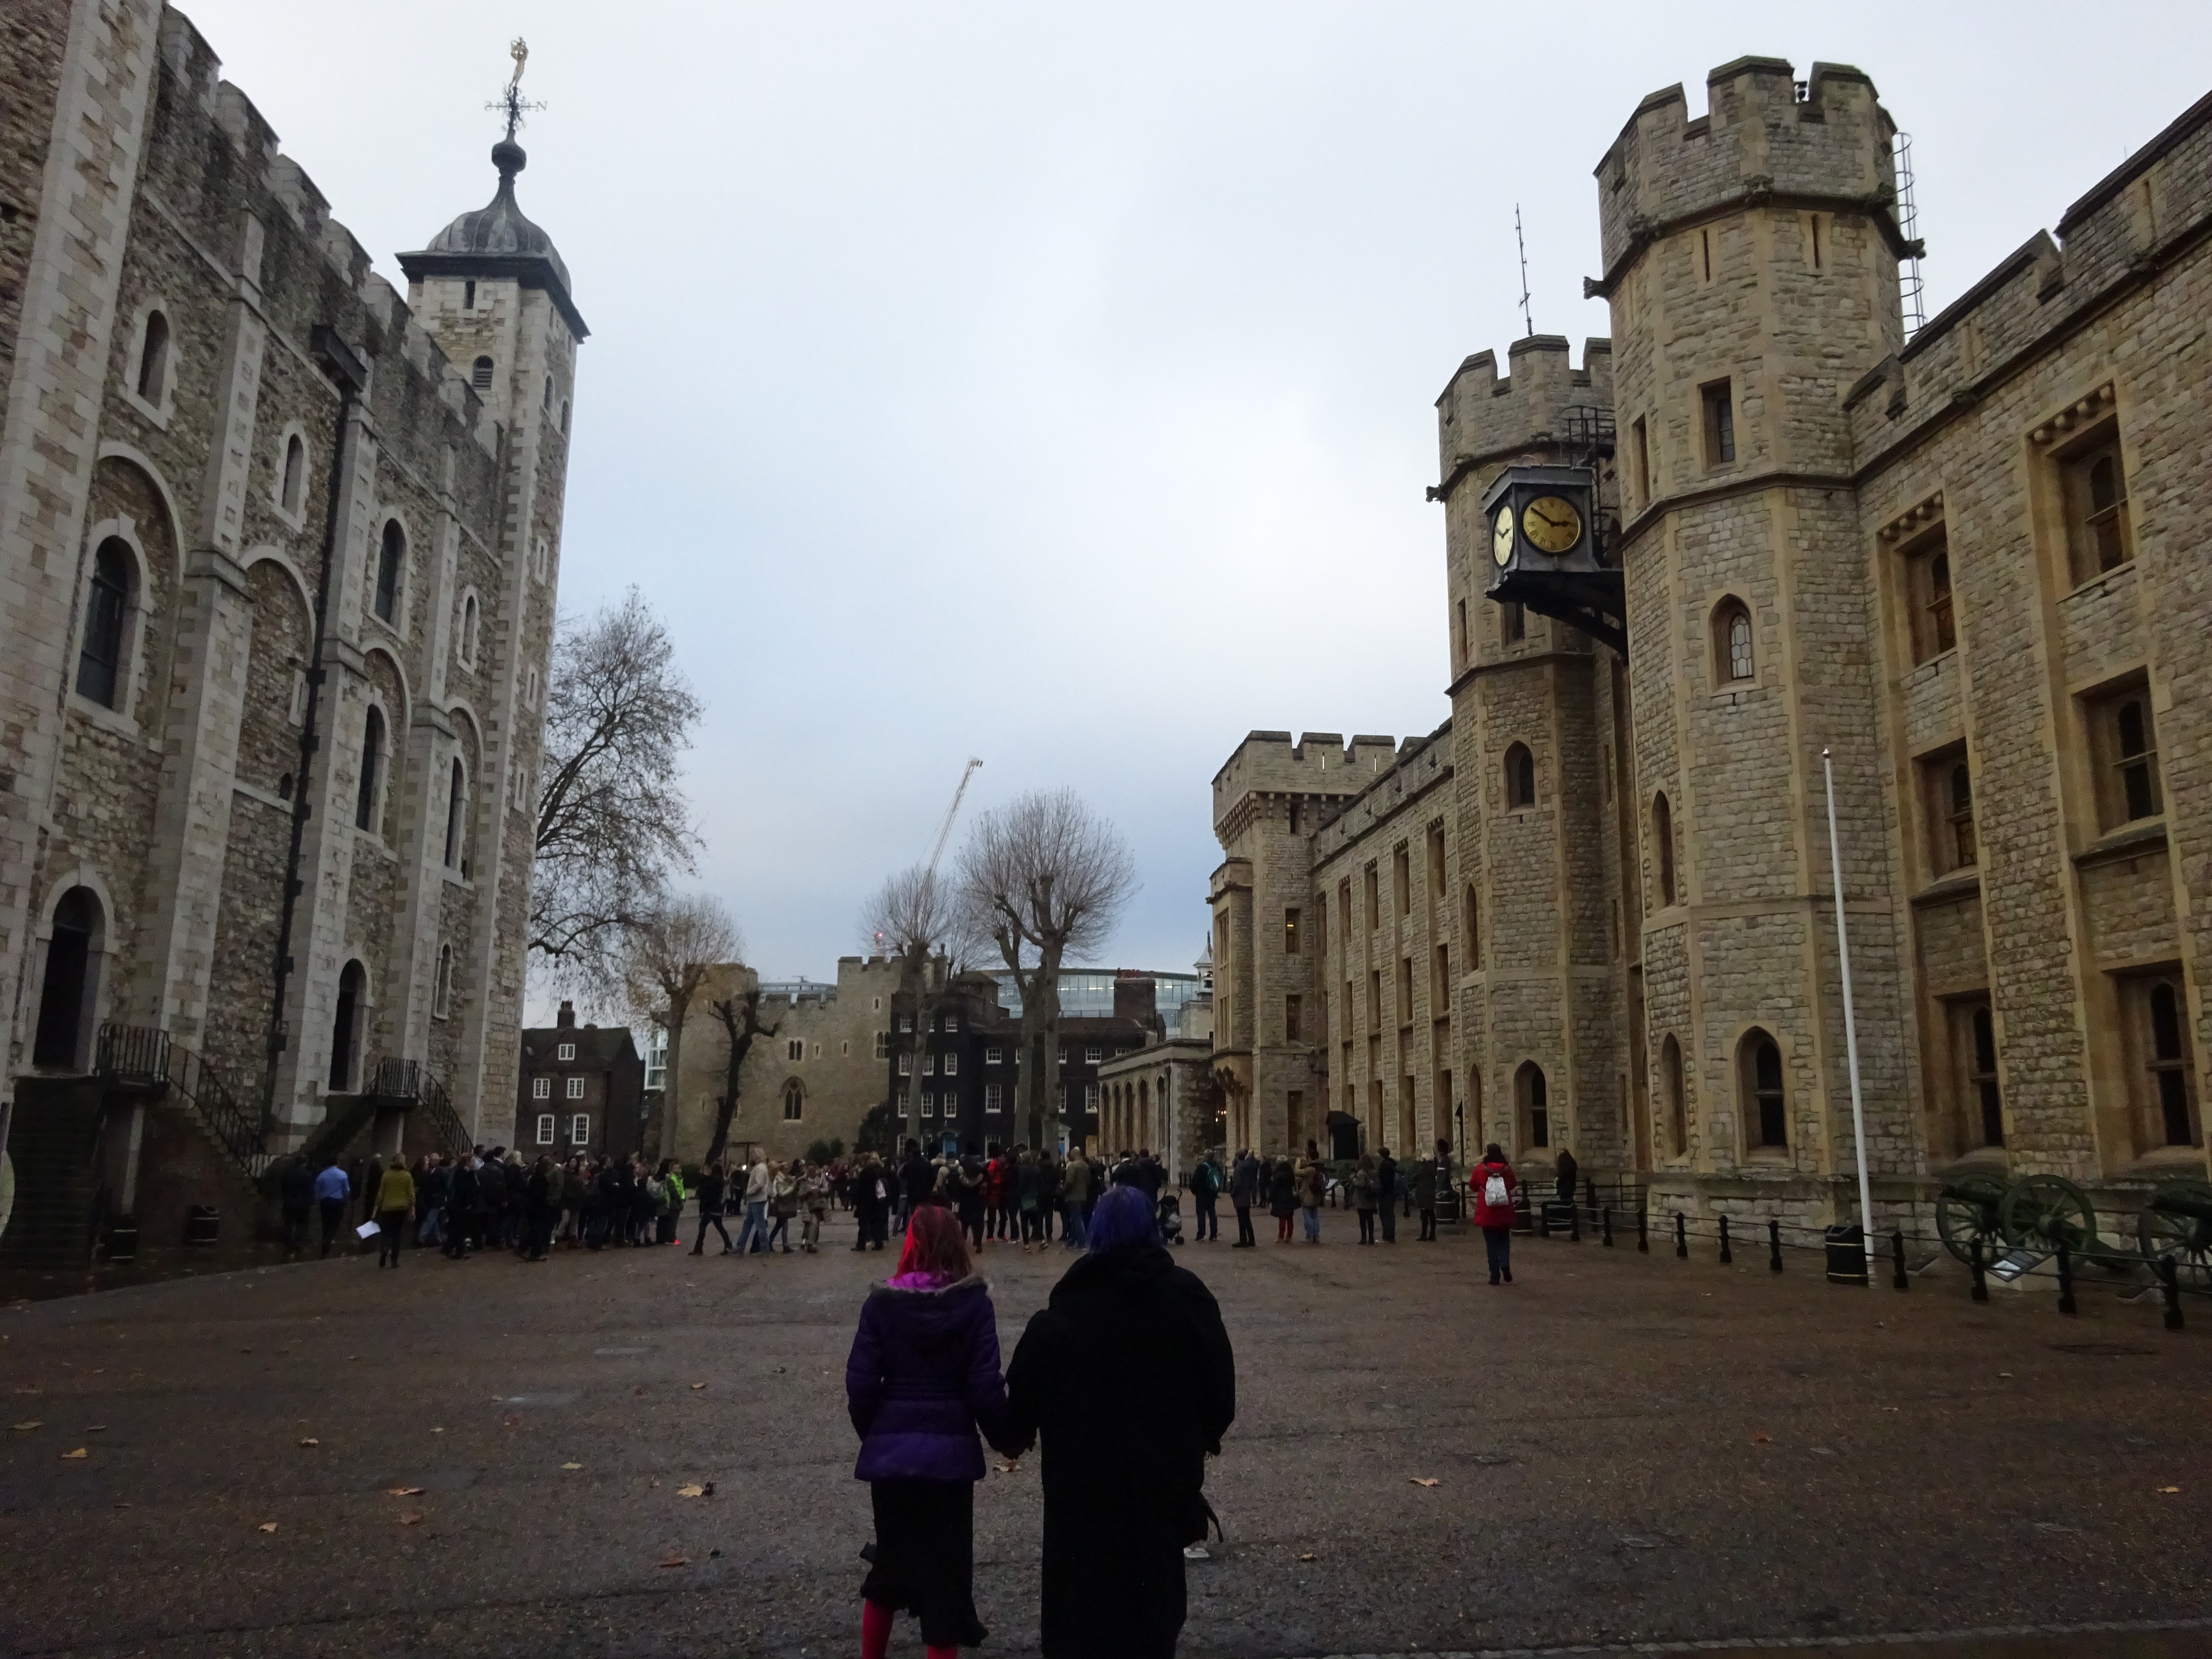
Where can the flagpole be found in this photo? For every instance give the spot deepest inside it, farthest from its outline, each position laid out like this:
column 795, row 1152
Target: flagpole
column 1850, row 1021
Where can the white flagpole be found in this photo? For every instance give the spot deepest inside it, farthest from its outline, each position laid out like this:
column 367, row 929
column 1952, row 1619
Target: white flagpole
column 1851, row 1022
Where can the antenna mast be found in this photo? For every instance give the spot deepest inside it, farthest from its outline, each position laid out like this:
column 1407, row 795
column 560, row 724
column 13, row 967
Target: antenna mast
column 1527, row 326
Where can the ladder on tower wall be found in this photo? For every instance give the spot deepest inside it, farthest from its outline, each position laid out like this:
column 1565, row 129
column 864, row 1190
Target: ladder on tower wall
column 1908, row 223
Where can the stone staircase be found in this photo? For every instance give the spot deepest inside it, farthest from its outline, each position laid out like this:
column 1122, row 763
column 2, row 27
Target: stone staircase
column 53, row 1140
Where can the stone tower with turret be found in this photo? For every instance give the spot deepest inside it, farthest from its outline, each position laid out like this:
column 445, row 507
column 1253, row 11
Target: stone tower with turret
column 1751, row 261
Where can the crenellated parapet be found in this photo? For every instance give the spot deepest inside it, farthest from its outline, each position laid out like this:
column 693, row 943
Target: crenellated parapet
column 1481, row 416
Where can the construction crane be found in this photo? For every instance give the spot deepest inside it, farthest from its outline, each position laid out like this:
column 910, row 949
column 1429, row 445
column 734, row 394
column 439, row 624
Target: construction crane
column 944, row 829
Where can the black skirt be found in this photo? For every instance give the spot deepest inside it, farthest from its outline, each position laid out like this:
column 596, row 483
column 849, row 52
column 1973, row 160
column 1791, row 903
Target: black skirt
column 925, row 1557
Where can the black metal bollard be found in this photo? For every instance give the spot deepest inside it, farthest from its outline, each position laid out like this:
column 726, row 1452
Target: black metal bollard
column 2065, row 1280
column 2169, row 1283
column 1543, row 1221
column 1604, row 1220
column 1644, row 1232
column 1727, row 1255
column 1774, row 1246
column 1981, row 1291
column 1897, row 1279
column 1681, row 1237
column 1575, row 1223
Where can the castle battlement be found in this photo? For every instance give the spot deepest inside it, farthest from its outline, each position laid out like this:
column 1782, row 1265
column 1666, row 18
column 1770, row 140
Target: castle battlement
column 1758, row 143
column 1480, row 415
column 1318, row 763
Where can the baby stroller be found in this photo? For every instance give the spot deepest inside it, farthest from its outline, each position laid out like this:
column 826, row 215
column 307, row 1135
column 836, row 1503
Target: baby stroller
column 1170, row 1218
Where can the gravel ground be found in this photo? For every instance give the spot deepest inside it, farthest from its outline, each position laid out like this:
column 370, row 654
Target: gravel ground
column 1617, row 1450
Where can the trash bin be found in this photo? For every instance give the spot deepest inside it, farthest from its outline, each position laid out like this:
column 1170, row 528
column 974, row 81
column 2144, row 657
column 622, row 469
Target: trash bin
column 202, row 1224
column 1847, row 1263
column 122, row 1239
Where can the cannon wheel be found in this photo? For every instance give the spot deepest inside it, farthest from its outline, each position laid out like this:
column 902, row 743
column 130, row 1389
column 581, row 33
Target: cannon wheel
column 1969, row 1211
column 2045, row 1210
column 2178, row 1221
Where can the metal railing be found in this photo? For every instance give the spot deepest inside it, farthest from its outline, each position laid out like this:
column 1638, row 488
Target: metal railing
column 141, row 1055
column 409, row 1084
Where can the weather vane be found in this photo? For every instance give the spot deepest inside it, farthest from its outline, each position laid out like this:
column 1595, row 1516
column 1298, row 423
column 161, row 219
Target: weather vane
column 511, row 103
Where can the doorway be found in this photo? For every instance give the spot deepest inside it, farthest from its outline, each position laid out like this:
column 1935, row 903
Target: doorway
column 65, row 994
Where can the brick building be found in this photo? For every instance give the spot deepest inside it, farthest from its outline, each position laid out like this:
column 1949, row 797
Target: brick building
column 581, row 1090
column 278, row 551
column 1957, row 561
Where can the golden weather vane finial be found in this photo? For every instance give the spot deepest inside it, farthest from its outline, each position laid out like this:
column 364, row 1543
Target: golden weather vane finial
column 511, row 103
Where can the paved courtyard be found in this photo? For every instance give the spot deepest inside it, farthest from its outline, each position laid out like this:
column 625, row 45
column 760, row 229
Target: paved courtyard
column 1616, row 1450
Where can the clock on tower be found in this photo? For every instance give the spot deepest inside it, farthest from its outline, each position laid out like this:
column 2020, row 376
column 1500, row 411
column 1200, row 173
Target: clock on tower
column 1544, row 551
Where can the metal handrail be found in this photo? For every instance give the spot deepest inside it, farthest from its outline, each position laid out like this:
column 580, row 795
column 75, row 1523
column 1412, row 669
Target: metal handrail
column 139, row 1054
column 411, row 1082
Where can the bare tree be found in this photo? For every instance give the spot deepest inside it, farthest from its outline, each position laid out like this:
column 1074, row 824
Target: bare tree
column 740, row 1018
column 613, row 825
column 916, row 917
column 672, row 949
column 1042, row 877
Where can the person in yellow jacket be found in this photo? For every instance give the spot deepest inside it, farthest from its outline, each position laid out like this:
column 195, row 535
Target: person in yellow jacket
column 395, row 1208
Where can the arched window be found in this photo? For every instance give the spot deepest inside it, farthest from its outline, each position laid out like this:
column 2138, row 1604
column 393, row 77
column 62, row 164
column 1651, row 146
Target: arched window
column 469, row 632
column 564, row 414
column 65, row 997
column 1678, row 1109
column 480, row 374
column 1663, row 846
column 441, row 989
column 1535, row 1104
column 795, row 1102
column 294, row 493
column 154, row 358
column 1732, row 654
column 1520, row 777
column 455, row 807
column 1765, row 1106
column 99, row 676
column 391, row 559
column 372, row 759
column 345, row 1028
column 1965, row 848
column 546, row 402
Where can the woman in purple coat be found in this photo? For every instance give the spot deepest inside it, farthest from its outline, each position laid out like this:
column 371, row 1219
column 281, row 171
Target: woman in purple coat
column 923, row 1377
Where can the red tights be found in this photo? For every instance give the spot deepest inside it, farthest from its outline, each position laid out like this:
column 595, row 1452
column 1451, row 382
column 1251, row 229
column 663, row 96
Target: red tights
column 876, row 1634
column 1282, row 1230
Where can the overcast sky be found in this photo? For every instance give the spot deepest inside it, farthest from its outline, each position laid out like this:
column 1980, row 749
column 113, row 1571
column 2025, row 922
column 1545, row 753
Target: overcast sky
column 1054, row 384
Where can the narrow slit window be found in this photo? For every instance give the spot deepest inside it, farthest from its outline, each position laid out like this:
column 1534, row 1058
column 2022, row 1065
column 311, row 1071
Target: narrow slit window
column 372, row 759
column 2138, row 760
column 1983, row 1078
column 107, row 617
column 391, row 559
column 1720, row 424
column 2169, row 1065
column 1966, row 849
column 296, row 474
column 154, row 358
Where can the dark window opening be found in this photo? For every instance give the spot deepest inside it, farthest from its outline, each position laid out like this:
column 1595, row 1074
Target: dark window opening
column 453, row 806
column 1942, row 625
column 2138, row 761
column 1520, row 777
column 295, row 472
column 1662, row 843
column 1513, row 622
column 345, row 1027
column 154, row 358
column 372, row 756
column 1720, row 424
column 1770, row 1105
column 2169, row 1064
column 468, row 297
column 107, row 609
column 1966, row 849
column 1983, row 1079
column 389, row 560
column 1536, row 1100
column 480, row 374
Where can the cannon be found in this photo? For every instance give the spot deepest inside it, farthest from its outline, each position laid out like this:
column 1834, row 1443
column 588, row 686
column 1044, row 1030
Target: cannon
column 2178, row 1221
column 2036, row 1212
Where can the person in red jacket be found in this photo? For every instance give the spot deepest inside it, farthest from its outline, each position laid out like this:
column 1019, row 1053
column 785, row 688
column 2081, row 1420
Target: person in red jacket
column 1492, row 1181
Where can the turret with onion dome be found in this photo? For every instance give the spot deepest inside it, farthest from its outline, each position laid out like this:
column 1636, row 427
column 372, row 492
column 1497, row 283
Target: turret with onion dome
column 498, row 242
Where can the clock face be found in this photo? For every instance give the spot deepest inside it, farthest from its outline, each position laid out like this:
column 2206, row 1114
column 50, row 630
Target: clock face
column 1501, row 536
column 1552, row 523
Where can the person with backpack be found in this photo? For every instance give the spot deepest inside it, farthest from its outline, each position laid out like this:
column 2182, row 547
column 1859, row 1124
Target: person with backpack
column 1244, row 1181
column 1493, row 1181
column 1313, row 1187
column 1205, row 1195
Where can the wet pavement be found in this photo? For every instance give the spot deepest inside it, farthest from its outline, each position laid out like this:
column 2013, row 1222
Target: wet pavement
column 493, row 1458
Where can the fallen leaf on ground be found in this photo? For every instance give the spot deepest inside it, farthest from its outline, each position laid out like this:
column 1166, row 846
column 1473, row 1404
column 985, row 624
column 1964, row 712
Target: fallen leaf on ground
column 437, row 1431
column 309, row 1440
column 266, row 1526
column 32, row 1423
column 411, row 1518
column 1307, row 1556
column 698, row 1385
column 677, row 1561
column 1635, row 1542
column 1760, row 1437
column 572, row 1466
column 1422, row 1480
column 95, row 1428
column 2169, row 1489
column 2004, row 1374
column 406, row 1492
column 82, row 1452
column 694, row 1490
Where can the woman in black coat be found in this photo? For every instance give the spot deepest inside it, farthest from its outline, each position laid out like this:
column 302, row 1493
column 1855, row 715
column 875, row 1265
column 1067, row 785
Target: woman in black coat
column 1128, row 1374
